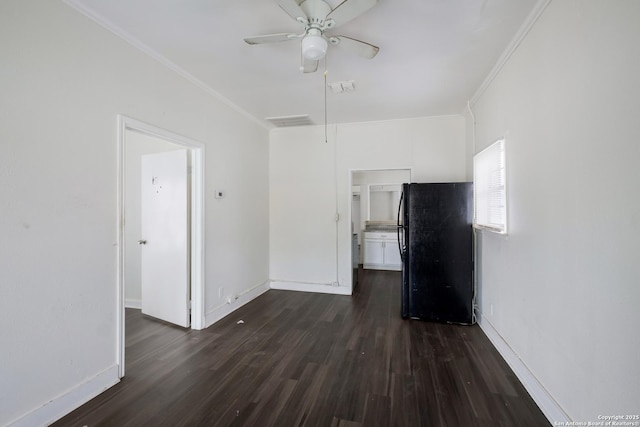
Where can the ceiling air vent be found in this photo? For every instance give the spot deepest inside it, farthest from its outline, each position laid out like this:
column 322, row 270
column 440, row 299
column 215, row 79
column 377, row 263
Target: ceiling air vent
column 290, row 121
column 342, row 87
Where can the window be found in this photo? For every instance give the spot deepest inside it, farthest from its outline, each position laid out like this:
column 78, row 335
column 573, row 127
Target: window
column 490, row 195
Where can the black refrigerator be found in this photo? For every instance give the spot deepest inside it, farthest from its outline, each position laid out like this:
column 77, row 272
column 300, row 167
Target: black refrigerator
column 436, row 244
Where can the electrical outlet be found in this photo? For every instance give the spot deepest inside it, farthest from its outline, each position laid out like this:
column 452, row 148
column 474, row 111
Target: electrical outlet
column 220, row 292
column 491, row 309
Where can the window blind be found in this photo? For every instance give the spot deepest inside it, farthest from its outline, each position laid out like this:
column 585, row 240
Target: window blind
column 489, row 182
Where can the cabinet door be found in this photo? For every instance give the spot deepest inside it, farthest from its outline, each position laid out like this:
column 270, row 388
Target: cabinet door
column 373, row 252
column 391, row 253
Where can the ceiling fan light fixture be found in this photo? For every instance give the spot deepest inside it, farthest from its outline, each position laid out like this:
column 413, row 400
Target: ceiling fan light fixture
column 314, row 47
column 318, row 16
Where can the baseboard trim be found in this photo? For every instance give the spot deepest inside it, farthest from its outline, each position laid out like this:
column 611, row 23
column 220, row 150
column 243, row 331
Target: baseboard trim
column 310, row 287
column 547, row 404
column 382, row 267
column 217, row 313
column 69, row 401
column 133, row 303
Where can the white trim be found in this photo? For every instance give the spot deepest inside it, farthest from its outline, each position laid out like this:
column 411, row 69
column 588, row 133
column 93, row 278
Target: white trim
column 217, row 313
column 321, row 288
column 387, row 267
column 133, row 303
column 120, row 272
column 547, row 404
column 197, row 223
column 127, row 37
column 532, row 18
column 72, row 399
column 198, row 238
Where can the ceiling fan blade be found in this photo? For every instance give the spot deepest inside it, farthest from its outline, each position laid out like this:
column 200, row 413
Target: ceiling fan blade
column 357, row 47
column 271, row 38
column 349, row 9
column 293, row 9
column 308, row 66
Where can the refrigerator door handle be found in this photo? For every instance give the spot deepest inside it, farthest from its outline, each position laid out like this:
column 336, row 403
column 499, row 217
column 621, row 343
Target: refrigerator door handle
column 400, row 227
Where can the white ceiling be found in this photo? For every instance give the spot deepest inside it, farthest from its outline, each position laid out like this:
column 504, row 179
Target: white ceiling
column 434, row 54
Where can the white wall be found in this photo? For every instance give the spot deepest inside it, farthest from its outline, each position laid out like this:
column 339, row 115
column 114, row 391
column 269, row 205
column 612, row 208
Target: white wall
column 562, row 289
column 63, row 80
column 309, row 183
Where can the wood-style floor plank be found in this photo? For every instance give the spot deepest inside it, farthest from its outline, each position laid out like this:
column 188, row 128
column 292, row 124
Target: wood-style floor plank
column 302, row 359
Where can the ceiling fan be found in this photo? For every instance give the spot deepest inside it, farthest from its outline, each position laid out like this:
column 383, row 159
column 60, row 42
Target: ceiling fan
column 317, row 16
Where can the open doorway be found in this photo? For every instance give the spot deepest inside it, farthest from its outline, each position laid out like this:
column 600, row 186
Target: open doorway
column 373, row 202
column 137, row 140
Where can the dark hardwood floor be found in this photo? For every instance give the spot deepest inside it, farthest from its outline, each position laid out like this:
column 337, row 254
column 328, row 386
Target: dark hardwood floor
column 313, row 360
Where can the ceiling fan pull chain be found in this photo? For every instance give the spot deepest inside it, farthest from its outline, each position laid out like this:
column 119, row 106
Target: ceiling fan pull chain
column 325, row 99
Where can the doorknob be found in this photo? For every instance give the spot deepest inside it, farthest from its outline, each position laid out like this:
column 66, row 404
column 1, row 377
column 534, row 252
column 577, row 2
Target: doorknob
column 142, row 242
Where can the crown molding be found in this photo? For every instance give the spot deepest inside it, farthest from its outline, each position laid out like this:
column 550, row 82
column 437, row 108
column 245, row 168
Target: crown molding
column 133, row 41
column 511, row 48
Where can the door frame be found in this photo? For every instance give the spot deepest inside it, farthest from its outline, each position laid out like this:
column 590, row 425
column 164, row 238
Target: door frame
column 197, row 224
column 349, row 213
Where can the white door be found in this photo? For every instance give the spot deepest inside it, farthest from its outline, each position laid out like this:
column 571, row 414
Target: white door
column 165, row 236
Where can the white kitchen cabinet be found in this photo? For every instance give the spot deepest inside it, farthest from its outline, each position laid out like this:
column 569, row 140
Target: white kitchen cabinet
column 373, row 252
column 381, row 251
column 392, row 254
